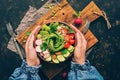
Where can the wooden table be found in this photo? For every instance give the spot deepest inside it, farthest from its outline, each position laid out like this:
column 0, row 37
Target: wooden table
column 63, row 12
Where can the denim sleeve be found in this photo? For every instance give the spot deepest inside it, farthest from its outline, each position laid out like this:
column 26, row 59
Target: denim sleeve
column 83, row 72
column 26, row 72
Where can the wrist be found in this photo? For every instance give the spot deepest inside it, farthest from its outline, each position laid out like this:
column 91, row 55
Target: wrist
column 76, row 66
column 80, row 61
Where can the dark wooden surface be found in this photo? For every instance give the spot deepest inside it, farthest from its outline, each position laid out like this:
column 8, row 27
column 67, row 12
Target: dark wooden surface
column 105, row 55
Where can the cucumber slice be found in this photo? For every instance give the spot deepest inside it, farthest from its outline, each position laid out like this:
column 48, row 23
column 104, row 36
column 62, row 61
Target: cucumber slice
column 71, row 49
column 67, row 54
column 64, row 51
column 49, row 59
column 60, row 58
column 55, row 61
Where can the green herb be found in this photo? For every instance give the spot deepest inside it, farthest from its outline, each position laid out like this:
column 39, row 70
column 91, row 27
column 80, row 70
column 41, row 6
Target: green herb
column 43, row 46
column 53, row 26
column 28, row 33
column 70, row 30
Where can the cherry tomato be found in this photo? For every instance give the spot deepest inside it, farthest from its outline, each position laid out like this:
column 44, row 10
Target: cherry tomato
column 71, row 41
column 64, row 74
column 67, row 38
column 72, row 36
column 66, row 45
column 65, row 31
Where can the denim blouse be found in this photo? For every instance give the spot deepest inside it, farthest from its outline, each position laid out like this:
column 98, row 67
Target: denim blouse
column 77, row 72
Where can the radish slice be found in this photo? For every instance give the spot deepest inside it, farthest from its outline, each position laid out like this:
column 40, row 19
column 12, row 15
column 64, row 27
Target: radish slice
column 46, row 55
column 41, row 54
column 38, row 49
column 38, row 42
column 46, row 52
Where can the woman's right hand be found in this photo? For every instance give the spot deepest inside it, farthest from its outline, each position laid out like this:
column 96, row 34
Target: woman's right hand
column 80, row 47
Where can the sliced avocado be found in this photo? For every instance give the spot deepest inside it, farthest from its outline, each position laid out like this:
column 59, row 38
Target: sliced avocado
column 49, row 59
column 71, row 49
column 67, row 54
column 55, row 61
column 60, row 58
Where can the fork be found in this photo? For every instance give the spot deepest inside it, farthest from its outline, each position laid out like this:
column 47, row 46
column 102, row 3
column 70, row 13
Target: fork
column 13, row 34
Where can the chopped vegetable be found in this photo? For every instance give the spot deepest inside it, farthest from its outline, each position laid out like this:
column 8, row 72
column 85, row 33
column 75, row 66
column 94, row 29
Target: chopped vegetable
column 71, row 49
column 58, row 53
column 67, row 54
column 70, row 30
column 71, row 41
column 43, row 46
column 66, row 45
column 44, row 32
column 72, row 36
column 53, row 26
column 38, row 36
column 28, row 33
column 38, row 49
column 60, row 58
column 55, row 60
column 45, row 27
column 38, row 42
column 54, row 56
column 64, row 51
column 49, row 59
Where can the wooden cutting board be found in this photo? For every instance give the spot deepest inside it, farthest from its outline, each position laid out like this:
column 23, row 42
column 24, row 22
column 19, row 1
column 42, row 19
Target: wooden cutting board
column 64, row 12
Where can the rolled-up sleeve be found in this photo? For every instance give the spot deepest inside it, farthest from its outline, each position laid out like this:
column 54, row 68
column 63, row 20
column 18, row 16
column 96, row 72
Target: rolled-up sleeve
column 26, row 72
column 83, row 72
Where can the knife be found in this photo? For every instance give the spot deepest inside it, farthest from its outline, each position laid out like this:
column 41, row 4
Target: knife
column 84, row 31
column 13, row 34
column 86, row 27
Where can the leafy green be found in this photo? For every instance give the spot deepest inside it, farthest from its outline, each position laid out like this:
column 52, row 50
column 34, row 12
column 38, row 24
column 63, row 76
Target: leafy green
column 70, row 30
column 55, row 42
column 53, row 26
column 43, row 46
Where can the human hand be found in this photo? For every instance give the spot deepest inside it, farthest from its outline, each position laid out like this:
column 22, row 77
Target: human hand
column 80, row 47
column 31, row 55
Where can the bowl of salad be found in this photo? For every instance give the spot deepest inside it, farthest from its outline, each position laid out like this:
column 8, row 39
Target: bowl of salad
column 55, row 42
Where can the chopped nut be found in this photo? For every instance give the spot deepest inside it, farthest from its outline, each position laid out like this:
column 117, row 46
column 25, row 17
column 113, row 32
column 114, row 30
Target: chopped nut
column 59, row 8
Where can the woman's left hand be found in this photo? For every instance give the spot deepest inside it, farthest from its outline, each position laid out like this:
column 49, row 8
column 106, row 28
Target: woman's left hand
column 31, row 55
